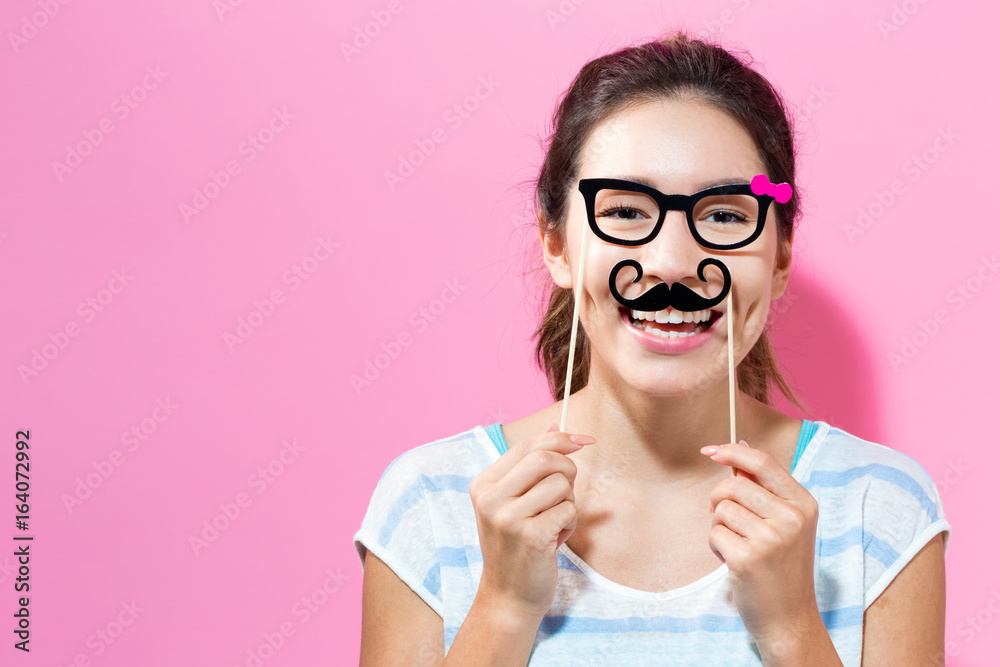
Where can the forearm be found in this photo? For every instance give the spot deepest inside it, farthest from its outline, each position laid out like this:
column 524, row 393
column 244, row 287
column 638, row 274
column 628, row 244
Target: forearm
column 805, row 644
column 492, row 635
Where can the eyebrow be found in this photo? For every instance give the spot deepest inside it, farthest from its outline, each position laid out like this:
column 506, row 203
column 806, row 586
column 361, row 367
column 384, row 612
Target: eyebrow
column 703, row 186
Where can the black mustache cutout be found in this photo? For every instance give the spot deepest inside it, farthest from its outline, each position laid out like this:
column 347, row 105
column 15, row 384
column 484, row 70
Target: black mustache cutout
column 680, row 296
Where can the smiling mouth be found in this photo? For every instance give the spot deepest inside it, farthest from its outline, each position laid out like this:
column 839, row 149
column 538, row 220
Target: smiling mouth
column 671, row 323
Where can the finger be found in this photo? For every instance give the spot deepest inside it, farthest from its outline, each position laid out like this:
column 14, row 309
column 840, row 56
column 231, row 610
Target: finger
column 547, row 493
column 561, row 520
column 743, row 473
column 765, row 470
column 556, row 441
column 531, row 470
column 738, row 519
column 750, row 495
column 566, row 532
column 726, row 544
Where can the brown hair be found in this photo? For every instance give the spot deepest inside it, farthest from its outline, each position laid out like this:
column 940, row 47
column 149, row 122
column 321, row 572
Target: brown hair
column 675, row 66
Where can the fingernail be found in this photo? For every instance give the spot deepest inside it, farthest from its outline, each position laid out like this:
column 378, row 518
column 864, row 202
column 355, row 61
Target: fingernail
column 554, row 427
column 744, row 443
column 710, row 450
column 582, row 439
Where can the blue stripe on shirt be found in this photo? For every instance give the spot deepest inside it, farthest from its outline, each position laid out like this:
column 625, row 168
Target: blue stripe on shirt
column 828, row 478
column 854, row 537
column 872, row 544
column 460, row 484
column 462, row 557
column 843, row 617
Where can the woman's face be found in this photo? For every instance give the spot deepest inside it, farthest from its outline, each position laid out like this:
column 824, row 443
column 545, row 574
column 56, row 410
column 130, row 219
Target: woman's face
column 679, row 147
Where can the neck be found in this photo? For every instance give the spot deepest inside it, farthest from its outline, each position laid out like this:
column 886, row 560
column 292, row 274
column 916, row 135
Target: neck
column 647, row 440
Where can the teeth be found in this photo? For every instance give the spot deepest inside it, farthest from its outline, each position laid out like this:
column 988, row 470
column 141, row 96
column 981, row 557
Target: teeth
column 671, row 334
column 673, row 316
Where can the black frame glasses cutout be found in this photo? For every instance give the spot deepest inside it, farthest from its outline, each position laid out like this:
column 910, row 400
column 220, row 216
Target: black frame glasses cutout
column 675, row 202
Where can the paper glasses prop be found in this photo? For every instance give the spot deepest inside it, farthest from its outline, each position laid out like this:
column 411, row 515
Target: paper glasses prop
column 645, row 208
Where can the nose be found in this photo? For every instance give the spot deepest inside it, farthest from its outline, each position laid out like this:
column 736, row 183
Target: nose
column 673, row 256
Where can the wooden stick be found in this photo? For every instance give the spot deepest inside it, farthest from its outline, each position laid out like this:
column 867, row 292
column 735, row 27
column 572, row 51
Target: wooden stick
column 572, row 348
column 732, row 373
column 572, row 336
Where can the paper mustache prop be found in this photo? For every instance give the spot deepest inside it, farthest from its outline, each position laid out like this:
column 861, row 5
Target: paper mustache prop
column 662, row 296
column 754, row 198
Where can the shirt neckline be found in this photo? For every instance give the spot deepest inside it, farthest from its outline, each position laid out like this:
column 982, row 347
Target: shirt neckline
column 813, row 444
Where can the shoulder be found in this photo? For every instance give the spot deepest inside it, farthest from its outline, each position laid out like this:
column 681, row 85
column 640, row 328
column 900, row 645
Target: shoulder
column 893, row 492
column 411, row 518
column 839, row 458
column 461, row 455
column 874, row 497
column 422, row 476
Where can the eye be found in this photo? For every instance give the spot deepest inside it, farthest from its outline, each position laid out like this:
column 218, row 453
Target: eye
column 726, row 217
column 621, row 213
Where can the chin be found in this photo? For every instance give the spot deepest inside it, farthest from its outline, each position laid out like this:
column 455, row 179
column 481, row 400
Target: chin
column 683, row 383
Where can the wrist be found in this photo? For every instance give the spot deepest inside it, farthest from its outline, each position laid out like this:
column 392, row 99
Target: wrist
column 803, row 640
column 505, row 613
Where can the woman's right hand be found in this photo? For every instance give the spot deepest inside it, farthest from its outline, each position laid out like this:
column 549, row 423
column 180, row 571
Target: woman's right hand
column 525, row 510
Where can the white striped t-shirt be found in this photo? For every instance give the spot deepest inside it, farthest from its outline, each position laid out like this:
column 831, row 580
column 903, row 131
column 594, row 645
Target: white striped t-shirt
column 877, row 509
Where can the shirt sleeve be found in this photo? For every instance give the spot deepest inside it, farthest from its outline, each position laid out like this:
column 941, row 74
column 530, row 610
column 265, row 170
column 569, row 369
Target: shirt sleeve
column 902, row 511
column 397, row 528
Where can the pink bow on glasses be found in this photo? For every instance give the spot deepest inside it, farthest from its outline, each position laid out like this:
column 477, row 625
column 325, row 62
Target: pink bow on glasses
column 762, row 185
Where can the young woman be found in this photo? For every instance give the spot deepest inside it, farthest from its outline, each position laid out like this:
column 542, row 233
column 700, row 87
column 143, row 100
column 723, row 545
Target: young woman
column 627, row 541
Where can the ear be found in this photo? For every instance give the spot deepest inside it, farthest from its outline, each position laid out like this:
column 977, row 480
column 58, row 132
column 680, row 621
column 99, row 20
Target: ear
column 782, row 267
column 554, row 253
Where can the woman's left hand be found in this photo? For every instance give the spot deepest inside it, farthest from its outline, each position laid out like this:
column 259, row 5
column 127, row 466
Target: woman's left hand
column 764, row 529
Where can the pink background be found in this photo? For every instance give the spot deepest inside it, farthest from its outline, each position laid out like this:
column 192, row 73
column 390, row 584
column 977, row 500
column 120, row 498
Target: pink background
column 866, row 102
